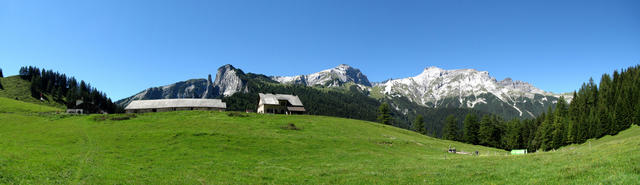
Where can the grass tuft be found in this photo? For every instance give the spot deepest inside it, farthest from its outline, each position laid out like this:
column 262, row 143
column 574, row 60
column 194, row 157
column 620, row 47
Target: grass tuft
column 114, row 117
column 237, row 114
column 290, row 126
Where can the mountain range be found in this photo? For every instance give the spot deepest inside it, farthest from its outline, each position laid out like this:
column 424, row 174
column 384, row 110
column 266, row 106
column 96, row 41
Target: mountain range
column 434, row 88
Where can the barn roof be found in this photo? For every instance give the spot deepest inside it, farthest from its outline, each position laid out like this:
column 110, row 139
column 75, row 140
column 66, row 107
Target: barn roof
column 272, row 99
column 175, row 103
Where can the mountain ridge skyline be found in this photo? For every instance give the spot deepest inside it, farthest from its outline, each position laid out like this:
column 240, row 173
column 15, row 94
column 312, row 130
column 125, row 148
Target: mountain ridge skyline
column 154, row 83
column 433, row 88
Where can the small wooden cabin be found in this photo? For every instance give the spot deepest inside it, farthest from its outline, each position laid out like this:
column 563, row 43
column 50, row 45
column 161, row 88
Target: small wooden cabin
column 280, row 104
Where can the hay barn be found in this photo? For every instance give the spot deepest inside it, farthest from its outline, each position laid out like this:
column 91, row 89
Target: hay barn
column 164, row 105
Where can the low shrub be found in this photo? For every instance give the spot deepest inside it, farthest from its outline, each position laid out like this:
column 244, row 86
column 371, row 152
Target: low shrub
column 114, row 117
column 237, row 114
column 290, row 126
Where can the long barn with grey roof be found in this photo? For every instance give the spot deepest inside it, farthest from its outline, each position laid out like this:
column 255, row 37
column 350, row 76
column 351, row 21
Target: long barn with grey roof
column 163, row 105
column 280, row 104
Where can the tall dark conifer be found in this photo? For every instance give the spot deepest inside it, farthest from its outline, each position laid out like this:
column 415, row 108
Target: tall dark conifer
column 485, row 131
column 605, row 100
column 560, row 123
column 418, row 125
column 470, row 130
column 0, row 80
column 512, row 138
column 384, row 114
column 450, row 130
column 545, row 132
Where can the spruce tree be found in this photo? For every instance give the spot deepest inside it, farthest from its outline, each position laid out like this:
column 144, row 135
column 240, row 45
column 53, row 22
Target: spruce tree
column 1, row 76
column 470, row 130
column 418, row 125
column 545, row 132
column 35, row 87
column 499, row 128
column 512, row 135
column 623, row 109
column 485, row 130
column 450, row 130
column 605, row 98
column 638, row 112
column 559, row 125
column 384, row 113
column 572, row 132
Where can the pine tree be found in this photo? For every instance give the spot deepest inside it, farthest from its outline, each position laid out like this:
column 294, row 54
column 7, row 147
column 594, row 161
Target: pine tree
column 470, row 130
column 35, row 87
column 638, row 112
column 605, row 98
column 545, row 132
column 534, row 143
column 384, row 113
column 572, row 133
column 559, row 125
column 499, row 128
column 1, row 76
column 636, row 91
column 623, row 109
column 485, row 131
column 418, row 125
column 512, row 136
column 450, row 130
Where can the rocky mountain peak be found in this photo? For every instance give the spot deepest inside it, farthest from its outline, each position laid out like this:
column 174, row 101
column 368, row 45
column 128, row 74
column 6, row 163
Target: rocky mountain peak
column 333, row 77
column 437, row 87
column 519, row 86
column 343, row 67
column 228, row 81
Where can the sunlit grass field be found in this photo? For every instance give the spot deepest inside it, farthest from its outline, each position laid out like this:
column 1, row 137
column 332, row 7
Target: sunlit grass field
column 199, row 147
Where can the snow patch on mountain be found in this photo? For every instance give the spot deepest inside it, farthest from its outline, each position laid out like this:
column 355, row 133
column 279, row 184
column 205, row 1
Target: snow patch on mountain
column 333, row 77
column 435, row 84
column 473, row 103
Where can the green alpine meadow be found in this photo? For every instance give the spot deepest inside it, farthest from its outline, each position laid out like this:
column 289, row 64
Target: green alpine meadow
column 41, row 146
column 279, row 92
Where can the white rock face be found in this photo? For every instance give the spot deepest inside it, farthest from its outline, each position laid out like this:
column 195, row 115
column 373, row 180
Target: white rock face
column 434, row 84
column 228, row 82
column 331, row 77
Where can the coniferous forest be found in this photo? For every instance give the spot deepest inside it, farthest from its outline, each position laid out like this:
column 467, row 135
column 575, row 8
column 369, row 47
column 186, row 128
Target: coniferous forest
column 595, row 111
column 67, row 90
column 1, row 76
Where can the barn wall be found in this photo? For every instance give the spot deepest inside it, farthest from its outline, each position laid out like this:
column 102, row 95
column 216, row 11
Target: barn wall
column 175, row 109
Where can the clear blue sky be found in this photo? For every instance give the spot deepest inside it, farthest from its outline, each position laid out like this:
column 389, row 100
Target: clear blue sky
column 125, row 46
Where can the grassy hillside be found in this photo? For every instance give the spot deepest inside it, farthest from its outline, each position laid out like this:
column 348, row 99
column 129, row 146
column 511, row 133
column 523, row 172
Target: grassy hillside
column 15, row 106
column 195, row 147
column 16, row 87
